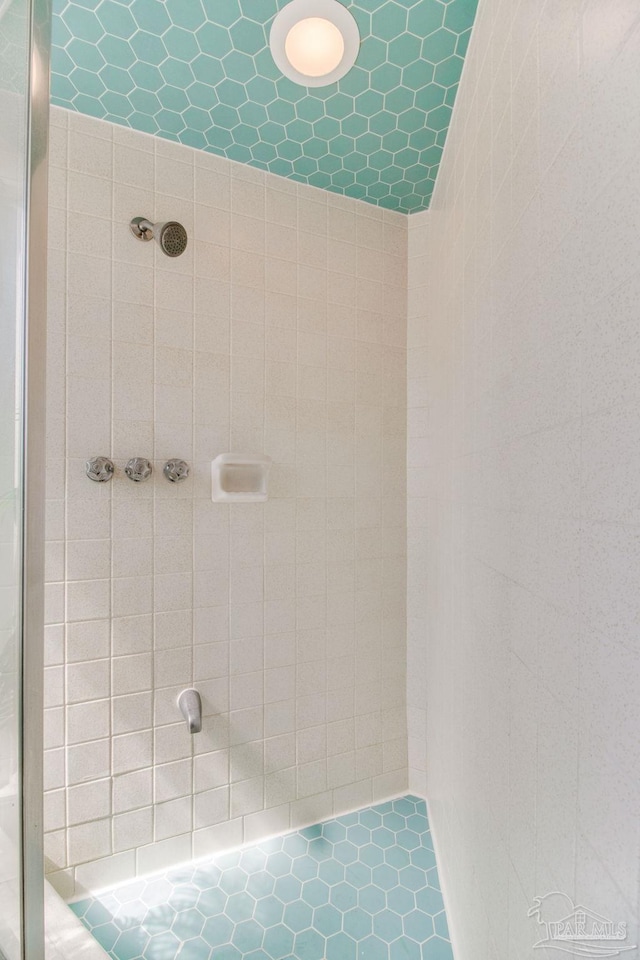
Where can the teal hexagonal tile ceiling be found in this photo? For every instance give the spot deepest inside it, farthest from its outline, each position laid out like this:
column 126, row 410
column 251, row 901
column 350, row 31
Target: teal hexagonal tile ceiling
column 201, row 72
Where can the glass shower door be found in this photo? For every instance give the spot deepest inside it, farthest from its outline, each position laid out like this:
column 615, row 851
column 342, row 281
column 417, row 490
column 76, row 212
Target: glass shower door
column 13, row 152
column 23, row 136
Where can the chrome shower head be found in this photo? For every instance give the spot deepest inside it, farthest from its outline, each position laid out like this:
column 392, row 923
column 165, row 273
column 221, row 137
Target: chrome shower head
column 171, row 236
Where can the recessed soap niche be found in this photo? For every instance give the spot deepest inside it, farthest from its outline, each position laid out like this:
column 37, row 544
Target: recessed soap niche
column 240, row 477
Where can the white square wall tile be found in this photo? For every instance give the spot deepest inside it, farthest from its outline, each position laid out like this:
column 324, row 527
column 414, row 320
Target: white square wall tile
column 153, row 587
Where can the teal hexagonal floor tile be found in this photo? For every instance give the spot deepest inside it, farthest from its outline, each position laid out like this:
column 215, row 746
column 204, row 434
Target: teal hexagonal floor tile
column 440, row 925
column 278, row 942
column 260, row 884
column 358, row 834
column 95, row 913
column 404, row 949
column 279, row 864
column 315, row 892
column 357, row 923
column 423, row 857
column 188, row 924
column 395, row 856
column 195, row 949
column 239, row 907
column 217, row 930
column 156, row 891
column 429, row 900
column 370, row 818
column 345, row 852
column 106, row 934
column 372, row 948
column 130, row 913
column 212, row 901
column 418, row 925
column 287, row 888
column 130, row 944
column 162, row 945
column 412, row 878
column 372, row 899
column 187, row 913
column 358, row 874
column 341, row 947
column 343, row 896
column 295, row 845
column 327, row 919
column 320, row 849
column 331, row 871
column 309, row 945
column 304, row 867
column 437, row 949
column 268, row 911
column 247, row 936
column 151, row 15
column 414, row 822
column 298, row 916
column 387, row 925
column 228, row 952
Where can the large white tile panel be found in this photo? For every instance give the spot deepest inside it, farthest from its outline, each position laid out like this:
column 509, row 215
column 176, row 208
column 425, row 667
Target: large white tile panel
column 523, row 545
column 281, row 329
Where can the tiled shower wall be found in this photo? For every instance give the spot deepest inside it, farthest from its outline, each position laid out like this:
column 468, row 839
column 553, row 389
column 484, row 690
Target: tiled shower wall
column 524, row 414
column 281, row 329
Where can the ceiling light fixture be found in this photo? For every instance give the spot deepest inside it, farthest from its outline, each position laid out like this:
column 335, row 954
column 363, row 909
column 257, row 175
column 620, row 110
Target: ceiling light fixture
column 314, row 42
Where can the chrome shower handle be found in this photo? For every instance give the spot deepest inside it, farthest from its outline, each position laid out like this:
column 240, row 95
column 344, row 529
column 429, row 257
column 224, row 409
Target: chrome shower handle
column 100, row 469
column 190, row 705
column 176, row 470
column 138, row 469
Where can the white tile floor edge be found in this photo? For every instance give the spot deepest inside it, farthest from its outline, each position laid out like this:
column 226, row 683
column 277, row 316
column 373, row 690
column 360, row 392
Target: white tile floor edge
column 442, row 878
column 65, row 936
column 221, row 851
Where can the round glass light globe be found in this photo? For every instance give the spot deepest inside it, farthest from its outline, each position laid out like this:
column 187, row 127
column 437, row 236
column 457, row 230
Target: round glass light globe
column 314, row 47
column 314, row 42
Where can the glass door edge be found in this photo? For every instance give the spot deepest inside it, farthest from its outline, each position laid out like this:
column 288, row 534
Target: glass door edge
column 34, row 408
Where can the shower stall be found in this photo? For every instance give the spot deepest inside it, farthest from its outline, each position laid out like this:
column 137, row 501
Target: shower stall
column 319, row 543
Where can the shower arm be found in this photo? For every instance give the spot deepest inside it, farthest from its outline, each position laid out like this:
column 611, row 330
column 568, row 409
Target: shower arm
column 142, row 228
